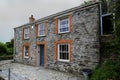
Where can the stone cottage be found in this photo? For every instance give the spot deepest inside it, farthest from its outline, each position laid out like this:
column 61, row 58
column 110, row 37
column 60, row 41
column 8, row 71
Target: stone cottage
column 66, row 41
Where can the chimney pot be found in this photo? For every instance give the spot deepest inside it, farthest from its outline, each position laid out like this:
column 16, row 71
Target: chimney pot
column 31, row 19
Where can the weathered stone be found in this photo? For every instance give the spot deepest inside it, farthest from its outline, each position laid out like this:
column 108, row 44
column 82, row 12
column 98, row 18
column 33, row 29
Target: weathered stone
column 85, row 46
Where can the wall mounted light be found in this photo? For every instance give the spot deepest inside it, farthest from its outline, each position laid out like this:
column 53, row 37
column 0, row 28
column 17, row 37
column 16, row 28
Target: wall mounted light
column 32, row 26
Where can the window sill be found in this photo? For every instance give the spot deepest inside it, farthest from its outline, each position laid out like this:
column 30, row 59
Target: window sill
column 41, row 36
column 26, row 57
column 26, row 38
column 63, row 32
column 66, row 61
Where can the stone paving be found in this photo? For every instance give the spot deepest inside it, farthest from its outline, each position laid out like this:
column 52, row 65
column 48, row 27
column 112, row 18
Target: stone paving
column 25, row 72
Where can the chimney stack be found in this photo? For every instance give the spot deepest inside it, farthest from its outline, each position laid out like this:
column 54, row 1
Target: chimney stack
column 31, row 19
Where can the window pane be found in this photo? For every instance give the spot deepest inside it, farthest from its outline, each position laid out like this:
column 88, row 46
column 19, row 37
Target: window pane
column 64, row 29
column 26, row 33
column 26, row 30
column 26, row 50
column 42, row 29
column 64, row 21
column 64, row 55
column 64, row 25
column 60, row 47
column 60, row 55
column 67, row 56
column 67, row 48
column 64, row 47
column 41, row 32
column 63, row 51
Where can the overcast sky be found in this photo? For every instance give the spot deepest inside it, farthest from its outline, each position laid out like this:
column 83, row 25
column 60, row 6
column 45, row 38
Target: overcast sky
column 14, row 13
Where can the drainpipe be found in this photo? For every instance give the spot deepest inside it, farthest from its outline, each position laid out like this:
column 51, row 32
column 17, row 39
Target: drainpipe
column 114, row 14
column 86, row 73
column 101, row 27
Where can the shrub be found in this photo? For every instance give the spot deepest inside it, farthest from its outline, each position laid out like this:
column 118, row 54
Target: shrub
column 110, row 70
column 3, row 48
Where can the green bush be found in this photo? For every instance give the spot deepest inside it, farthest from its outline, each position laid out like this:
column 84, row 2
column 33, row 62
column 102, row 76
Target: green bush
column 3, row 48
column 7, row 48
column 9, row 51
column 110, row 70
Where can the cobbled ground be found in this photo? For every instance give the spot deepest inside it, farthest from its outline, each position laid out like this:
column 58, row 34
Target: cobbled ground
column 26, row 72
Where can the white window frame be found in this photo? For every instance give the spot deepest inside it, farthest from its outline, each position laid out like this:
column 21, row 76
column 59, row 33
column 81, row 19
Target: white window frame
column 25, row 52
column 26, row 33
column 39, row 29
column 59, row 26
column 64, row 60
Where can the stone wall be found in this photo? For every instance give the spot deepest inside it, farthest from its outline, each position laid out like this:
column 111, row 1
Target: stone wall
column 19, row 42
column 85, row 45
column 85, row 36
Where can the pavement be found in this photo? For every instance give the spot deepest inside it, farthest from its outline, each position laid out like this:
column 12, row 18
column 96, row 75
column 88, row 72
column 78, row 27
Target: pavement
column 26, row 72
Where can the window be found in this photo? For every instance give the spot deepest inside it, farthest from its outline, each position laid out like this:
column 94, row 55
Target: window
column 63, row 25
column 26, row 33
column 63, row 52
column 26, row 52
column 41, row 29
column 107, row 26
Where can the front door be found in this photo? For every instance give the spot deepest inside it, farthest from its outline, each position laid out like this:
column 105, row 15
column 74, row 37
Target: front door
column 41, row 55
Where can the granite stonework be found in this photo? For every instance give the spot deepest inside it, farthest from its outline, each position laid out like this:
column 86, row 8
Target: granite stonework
column 85, row 37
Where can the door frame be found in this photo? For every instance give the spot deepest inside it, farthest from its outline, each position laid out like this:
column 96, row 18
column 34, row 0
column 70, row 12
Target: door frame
column 37, row 62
